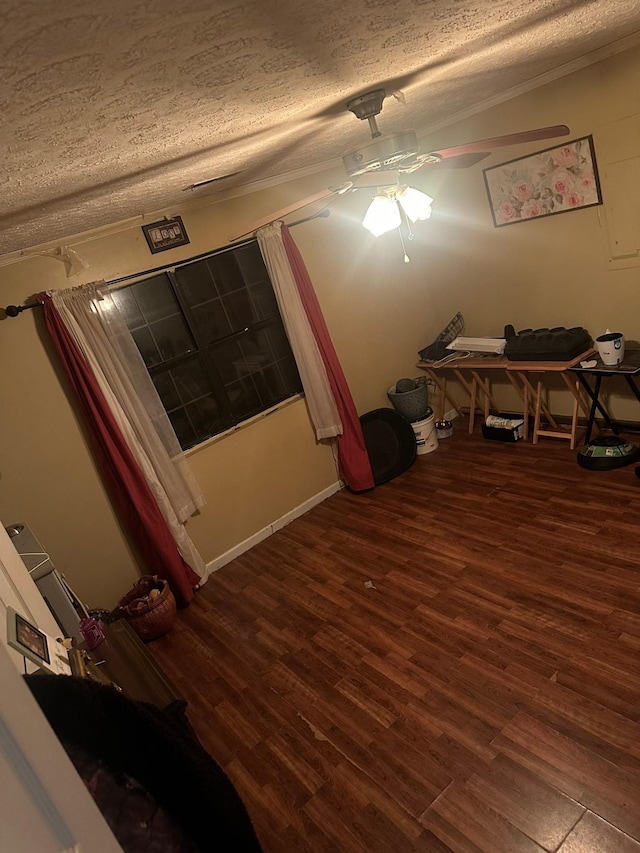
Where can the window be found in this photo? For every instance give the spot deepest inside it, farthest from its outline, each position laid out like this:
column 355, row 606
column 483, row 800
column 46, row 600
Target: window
column 213, row 342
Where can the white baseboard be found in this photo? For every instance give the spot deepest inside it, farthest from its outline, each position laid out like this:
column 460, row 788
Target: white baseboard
column 267, row 531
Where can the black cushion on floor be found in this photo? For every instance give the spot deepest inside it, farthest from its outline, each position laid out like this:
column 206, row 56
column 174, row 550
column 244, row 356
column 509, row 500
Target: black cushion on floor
column 390, row 442
column 163, row 756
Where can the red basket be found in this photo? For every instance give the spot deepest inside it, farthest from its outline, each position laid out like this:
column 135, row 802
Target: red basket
column 149, row 607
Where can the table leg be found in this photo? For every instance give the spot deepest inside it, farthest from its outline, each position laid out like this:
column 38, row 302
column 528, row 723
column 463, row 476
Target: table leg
column 574, row 418
column 472, row 390
column 441, row 383
column 632, row 384
column 536, row 419
column 527, row 402
column 472, row 406
column 538, row 398
column 596, row 405
column 574, row 386
column 485, row 387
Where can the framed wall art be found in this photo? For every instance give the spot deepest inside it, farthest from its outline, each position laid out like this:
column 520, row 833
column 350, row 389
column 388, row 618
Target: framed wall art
column 166, row 234
column 34, row 644
column 552, row 181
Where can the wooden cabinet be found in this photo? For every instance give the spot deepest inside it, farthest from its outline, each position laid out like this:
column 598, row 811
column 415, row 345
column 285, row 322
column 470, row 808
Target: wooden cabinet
column 129, row 664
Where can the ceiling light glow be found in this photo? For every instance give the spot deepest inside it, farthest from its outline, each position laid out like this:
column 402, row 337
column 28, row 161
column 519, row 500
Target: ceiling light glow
column 383, row 214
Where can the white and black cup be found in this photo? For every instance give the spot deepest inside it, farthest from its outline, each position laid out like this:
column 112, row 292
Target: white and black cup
column 610, row 348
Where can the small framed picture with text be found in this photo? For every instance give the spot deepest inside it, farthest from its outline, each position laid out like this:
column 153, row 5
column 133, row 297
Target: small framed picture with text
column 166, row 234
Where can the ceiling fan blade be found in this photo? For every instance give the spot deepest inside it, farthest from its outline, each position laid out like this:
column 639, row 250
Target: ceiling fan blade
column 291, row 208
column 367, row 180
column 207, row 181
column 527, row 26
column 460, row 161
column 262, row 166
column 500, row 141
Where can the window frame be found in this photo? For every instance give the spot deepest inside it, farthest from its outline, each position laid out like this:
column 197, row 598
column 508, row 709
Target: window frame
column 203, row 353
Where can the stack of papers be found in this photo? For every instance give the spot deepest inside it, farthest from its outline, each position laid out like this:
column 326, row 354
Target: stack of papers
column 492, row 345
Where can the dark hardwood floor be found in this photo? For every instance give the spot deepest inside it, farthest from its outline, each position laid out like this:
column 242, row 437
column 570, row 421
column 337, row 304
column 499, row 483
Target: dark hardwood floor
column 481, row 694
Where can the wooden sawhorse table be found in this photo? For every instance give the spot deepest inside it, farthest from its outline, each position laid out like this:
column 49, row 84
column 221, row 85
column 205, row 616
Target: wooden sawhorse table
column 536, row 395
column 518, row 373
column 477, row 387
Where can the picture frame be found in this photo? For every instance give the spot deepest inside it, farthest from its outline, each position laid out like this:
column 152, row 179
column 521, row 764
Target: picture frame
column 35, row 645
column 557, row 180
column 165, row 234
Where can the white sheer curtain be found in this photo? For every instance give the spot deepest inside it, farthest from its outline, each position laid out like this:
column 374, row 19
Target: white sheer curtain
column 320, row 400
column 102, row 336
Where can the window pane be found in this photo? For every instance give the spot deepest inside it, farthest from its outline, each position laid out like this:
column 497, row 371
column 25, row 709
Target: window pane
column 251, row 264
column 244, row 398
column 187, row 396
column 275, row 339
column 183, row 428
column 240, row 278
column 263, row 300
column 291, row 378
column 226, row 272
column 147, row 346
column 127, row 305
column 257, row 365
column 172, row 337
column 239, row 358
column 196, row 283
column 151, row 311
column 165, row 386
column 190, row 381
column 272, row 385
column 156, row 299
column 211, row 321
column 205, row 417
column 239, row 310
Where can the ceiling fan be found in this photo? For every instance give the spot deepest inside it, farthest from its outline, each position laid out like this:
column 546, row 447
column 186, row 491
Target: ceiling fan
column 383, row 161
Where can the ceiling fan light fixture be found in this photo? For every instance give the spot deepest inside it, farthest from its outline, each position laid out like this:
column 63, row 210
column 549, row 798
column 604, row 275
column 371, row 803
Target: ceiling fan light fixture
column 416, row 204
column 382, row 215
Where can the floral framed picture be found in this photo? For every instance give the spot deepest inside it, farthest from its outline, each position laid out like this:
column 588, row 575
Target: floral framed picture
column 552, row 181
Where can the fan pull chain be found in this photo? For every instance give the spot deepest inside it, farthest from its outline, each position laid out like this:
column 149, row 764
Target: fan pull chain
column 407, row 259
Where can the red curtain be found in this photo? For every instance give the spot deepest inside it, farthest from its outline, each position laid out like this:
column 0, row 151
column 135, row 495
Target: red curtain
column 353, row 459
column 129, row 491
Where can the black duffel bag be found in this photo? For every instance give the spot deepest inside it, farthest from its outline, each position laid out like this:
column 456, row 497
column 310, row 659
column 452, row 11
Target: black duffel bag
column 558, row 344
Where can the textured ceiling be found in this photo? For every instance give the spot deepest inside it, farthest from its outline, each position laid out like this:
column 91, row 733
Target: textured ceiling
column 109, row 110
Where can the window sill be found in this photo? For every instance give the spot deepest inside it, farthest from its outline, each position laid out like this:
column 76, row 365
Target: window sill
column 243, row 425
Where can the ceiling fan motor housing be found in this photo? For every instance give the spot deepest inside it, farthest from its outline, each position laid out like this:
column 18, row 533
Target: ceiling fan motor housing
column 381, row 153
column 367, row 105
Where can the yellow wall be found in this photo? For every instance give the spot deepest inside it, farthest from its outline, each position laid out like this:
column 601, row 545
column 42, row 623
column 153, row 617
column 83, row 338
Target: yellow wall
column 377, row 308
column 552, row 271
column 380, row 311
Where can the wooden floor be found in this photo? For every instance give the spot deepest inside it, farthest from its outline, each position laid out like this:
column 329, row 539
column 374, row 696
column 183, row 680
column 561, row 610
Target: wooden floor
column 449, row 663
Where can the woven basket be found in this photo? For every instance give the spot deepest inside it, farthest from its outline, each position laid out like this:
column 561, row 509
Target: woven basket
column 149, row 607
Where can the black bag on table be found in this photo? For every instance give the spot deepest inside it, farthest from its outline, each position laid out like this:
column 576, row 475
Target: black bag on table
column 557, row 344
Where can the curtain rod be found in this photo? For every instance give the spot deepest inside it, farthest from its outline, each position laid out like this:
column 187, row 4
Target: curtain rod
column 14, row 310
column 321, row 214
